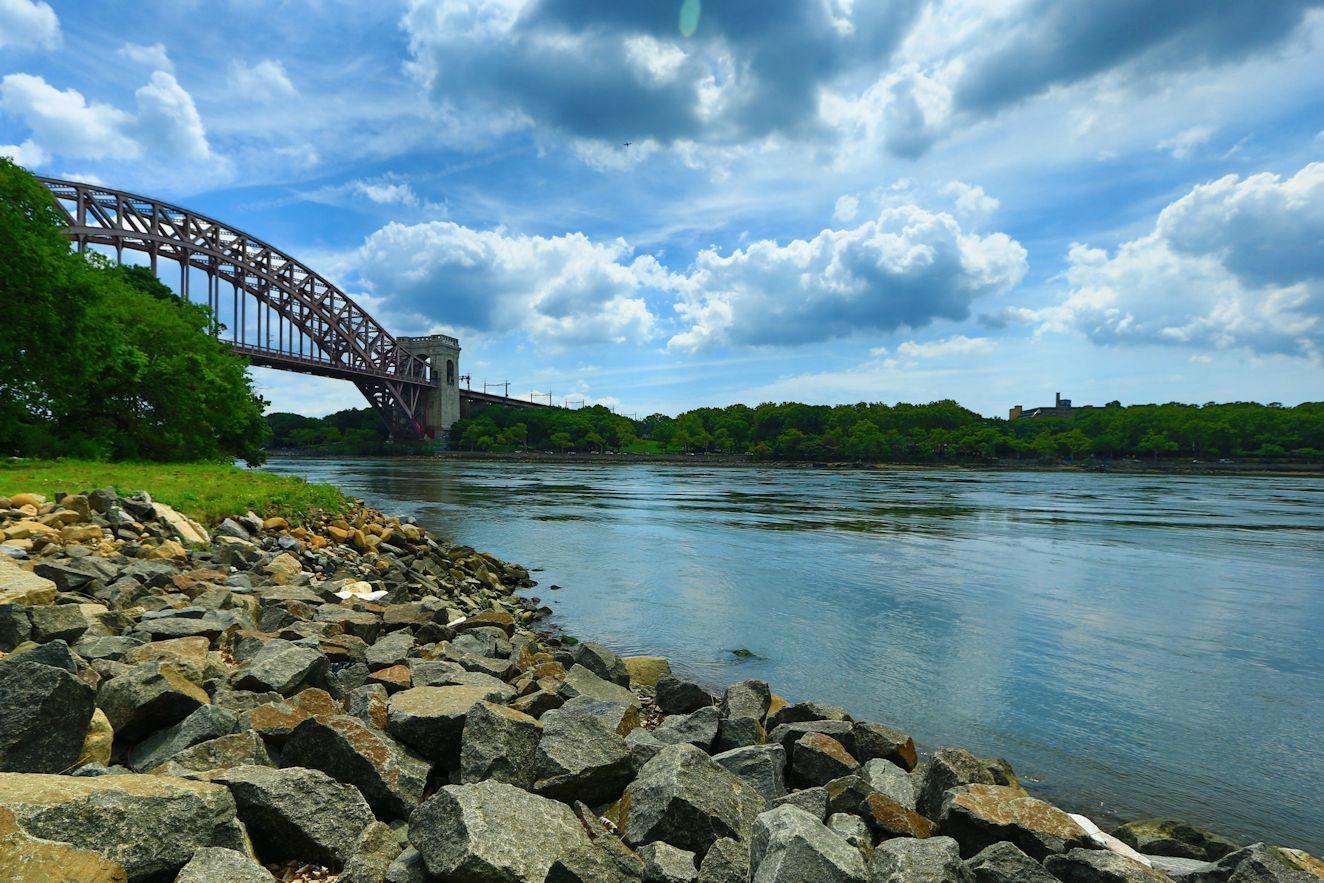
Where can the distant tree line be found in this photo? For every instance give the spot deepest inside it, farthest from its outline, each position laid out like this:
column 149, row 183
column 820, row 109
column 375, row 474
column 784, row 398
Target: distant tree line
column 352, row 431
column 104, row 362
column 905, row 433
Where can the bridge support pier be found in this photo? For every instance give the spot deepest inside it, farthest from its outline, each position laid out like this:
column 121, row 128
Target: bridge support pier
column 442, row 402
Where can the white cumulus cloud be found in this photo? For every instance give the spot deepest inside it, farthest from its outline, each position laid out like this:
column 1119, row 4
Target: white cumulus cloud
column 1235, row 263
column 63, row 122
column 906, row 268
column 560, row 290
column 166, row 127
column 25, row 24
column 168, row 120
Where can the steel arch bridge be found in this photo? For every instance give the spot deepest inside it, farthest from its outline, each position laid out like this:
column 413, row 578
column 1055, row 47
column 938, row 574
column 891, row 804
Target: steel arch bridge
column 280, row 313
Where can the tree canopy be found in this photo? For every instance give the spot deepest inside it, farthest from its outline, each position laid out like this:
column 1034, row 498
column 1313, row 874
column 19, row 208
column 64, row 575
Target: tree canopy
column 106, row 362
column 913, row 433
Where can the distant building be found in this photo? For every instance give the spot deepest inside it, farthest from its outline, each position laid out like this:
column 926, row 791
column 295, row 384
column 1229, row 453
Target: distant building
column 1061, row 408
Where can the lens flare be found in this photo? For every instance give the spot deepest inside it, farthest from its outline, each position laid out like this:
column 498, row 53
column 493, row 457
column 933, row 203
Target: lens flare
column 689, row 17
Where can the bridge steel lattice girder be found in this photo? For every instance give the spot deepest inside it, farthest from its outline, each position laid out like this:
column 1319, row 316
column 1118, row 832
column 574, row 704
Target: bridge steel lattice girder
column 395, row 381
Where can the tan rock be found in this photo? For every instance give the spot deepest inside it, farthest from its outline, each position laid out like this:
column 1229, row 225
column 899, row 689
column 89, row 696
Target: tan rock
column 150, row 825
column 168, row 549
column 29, row 529
column 646, row 671
column 276, row 720
column 27, row 859
column 283, row 568
column 980, row 815
column 97, row 744
column 393, row 678
column 185, row 528
column 276, row 523
column 27, row 500
column 1303, row 860
column 18, row 586
column 80, row 533
column 189, row 653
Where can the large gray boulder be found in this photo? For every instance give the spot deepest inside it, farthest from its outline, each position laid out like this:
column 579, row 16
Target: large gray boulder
column 151, row 825
column 676, row 696
column 578, row 757
column 817, row 759
column 698, row 728
column 763, row 767
column 297, row 813
column 491, row 831
column 889, row 779
column 877, row 741
column 212, row 864
column 907, row 860
column 226, row 752
column 372, row 855
column 727, row 861
column 684, row 797
column 980, row 815
column 1174, row 838
column 44, row 717
column 390, row 778
column 499, row 744
column 664, row 863
column 789, row 845
column 749, row 699
column 148, row 697
column 1100, row 866
column 581, row 681
column 602, row 662
column 430, row 720
column 204, row 724
column 1256, row 863
column 283, row 667
column 1004, row 863
column 948, row 768
column 884, row 816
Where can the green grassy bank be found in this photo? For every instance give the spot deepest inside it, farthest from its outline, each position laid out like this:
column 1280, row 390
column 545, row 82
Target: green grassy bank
column 207, row 492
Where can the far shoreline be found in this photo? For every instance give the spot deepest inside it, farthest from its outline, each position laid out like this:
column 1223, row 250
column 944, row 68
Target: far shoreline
column 1107, row 467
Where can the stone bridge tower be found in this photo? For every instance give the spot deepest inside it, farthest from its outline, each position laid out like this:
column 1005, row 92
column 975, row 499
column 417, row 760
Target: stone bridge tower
column 443, row 354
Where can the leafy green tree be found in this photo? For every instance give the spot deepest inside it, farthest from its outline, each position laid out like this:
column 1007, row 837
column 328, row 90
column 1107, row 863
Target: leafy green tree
column 561, row 441
column 106, row 361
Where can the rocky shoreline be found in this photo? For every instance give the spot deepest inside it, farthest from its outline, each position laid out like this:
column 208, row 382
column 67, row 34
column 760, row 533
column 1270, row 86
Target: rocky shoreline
column 352, row 699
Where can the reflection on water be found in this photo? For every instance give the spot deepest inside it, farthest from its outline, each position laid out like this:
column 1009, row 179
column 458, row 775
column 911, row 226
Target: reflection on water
column 1139, row 645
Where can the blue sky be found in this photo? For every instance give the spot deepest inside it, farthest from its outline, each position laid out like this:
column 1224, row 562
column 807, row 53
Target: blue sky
column 820, row 200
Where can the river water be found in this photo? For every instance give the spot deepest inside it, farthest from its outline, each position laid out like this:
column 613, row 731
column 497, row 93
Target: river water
column 1135, row 645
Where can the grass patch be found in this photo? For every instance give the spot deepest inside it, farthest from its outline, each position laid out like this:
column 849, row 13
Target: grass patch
column 207, row 492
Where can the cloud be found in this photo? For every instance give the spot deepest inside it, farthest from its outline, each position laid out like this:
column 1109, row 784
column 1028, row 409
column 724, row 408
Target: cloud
column 166, row 128
column 958, row 345
column 28, row 154
column 168, row 120
column 906, row 268
column 971, row 200
column 602, row 70
column 153, row 56
column 64, row 123
column 25, row 24
column 559, row 290
column 1185, row 142
column 847, row 208
column 1052, row 43
column 1235, row 263
column 263, row 82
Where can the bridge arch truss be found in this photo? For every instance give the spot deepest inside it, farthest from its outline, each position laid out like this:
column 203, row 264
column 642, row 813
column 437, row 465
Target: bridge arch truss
column 265, row 305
